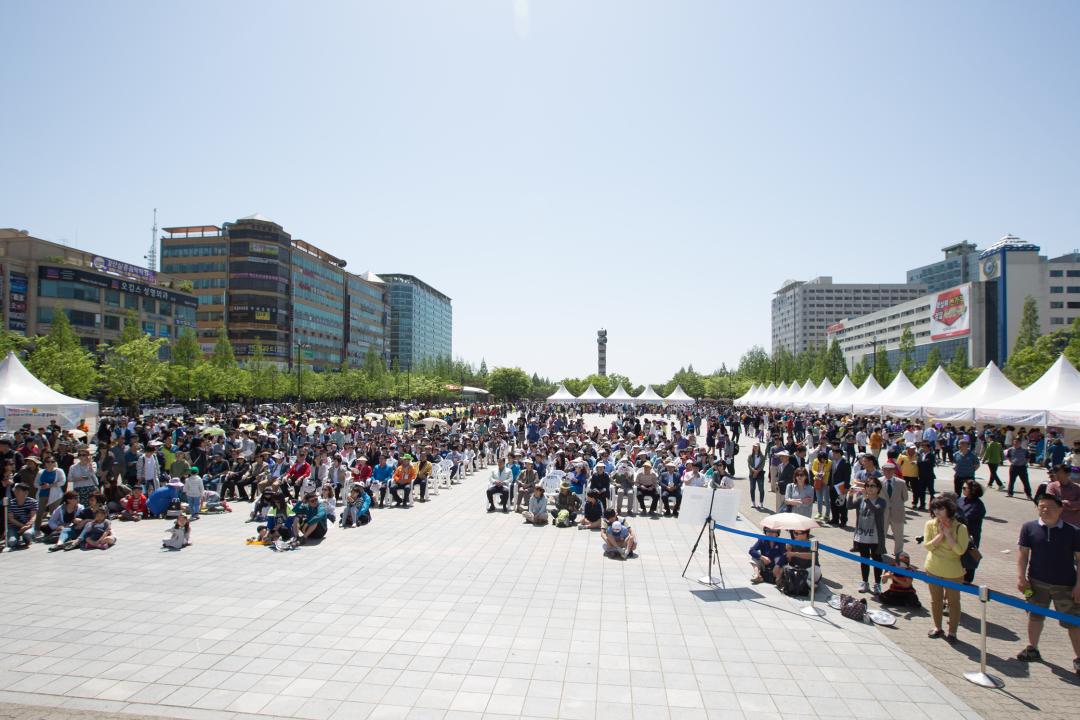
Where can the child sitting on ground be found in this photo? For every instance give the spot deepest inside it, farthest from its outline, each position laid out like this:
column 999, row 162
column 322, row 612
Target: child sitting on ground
column 901, row 592
column 97, row 534
column 329, row 502
column 133, row 505
column 179, row 534
column 357, row 509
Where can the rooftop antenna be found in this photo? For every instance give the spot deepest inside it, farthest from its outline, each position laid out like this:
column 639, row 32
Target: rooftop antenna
column 151, row 257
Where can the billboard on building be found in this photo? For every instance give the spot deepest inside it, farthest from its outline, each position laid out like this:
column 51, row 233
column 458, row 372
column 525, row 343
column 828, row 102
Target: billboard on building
column 18, row 284
column 950, row 316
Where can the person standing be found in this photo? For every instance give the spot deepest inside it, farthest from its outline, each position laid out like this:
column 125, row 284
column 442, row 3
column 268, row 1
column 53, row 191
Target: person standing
column 869, row 533
column 1018, row 458
column 1065, row 483
column 799, row 494
column 993, row 456
column 965, row 463
column 908, row 464
column 785, row 477
column 946, row 541
column 895, row 492
column 755, row 465
column 839, row 482
column 927, row 462
column 1046, row 570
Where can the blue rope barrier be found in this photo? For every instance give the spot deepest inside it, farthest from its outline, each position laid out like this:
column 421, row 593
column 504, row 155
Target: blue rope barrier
column 969, row 589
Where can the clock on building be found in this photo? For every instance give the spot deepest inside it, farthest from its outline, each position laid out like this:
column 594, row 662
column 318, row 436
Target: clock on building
column 990, row 268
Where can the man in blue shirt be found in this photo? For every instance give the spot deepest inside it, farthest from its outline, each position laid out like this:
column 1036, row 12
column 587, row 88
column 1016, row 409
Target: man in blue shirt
column 312, row 518
column 380, row 476
column 965, row 463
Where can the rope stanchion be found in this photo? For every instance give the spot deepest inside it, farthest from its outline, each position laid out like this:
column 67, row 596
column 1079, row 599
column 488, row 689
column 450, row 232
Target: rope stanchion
column 810, row 609
column 981, row 677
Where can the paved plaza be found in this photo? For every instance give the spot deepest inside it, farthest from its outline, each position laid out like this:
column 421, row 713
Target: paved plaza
column 441, row 612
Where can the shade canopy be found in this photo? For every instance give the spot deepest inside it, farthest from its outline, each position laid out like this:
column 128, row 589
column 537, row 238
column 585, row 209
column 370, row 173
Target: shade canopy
column 990, row 387
column 782, row 401
column 744, row 399
column 814, row 401
column 939, row 387
column 649, row 396
column 25, row 399
column 591, row 394
column 802, row 400
column 678, row 395
column 899, row 389
column 862, row 400
column 1059, row 386
column 562, row 395
column 620, row 395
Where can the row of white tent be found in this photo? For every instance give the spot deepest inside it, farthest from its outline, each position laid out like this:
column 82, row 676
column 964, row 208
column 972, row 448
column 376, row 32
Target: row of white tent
column 1052, row 400
column 620, row 396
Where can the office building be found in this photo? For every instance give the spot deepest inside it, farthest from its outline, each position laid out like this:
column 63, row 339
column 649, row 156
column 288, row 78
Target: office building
column 276, row 293
column 1063, row 284
column 959, row 317
column 40, row 278
column 1016, row 270
column 421, row 321
column 960, row 265
column 803, row 310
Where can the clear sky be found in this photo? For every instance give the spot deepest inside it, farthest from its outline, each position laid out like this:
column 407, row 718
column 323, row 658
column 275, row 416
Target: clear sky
column 556, row 166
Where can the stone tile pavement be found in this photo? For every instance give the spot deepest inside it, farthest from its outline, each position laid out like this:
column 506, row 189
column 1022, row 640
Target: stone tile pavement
column 441, row 612
column 1048, row 689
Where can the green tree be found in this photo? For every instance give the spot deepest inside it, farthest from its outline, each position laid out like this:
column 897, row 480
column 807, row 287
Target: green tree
column 836, row 367
column 222, row 357
column 130, row 330
column 11, row 342
column 933, row 362
column 1072, row 350
column 1028, row 333
column 755, row 365
column 882, row 369
column 509, row 383
column 59, row 361
column 958, row 368
column 860, row 372
column 133, row 372
column 907, row 352
column 186, row 350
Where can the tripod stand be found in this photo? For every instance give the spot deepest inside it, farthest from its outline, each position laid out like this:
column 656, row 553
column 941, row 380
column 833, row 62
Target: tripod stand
column 714, row 553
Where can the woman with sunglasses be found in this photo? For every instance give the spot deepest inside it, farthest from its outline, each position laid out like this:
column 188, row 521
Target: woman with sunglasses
column 83, row 476
column 870, row 530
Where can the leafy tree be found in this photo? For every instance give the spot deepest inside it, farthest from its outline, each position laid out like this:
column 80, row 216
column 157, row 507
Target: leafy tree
column 483, row 368
column 933, row 362
column 1028, row 333
column 132, row 371
column 835, row 366
column 755, row 365
column 130, row 330
column 958, row 368
column 222, row 357
column 186, row 350
column 59, row 361
column 860, row 372
column 882, row 369
column 1072, row 350
column 12, row 342
column 907, row 352
column 509, row 383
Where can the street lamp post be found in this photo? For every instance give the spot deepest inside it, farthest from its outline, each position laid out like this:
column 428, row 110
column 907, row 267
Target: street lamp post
column 300, row 347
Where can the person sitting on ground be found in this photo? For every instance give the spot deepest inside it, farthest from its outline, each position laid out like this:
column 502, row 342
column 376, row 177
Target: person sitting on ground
column 311, row 517
column 62, row 521
column 133, row 505
column 526, row 481
column 768, row 558
column 901, row 592
column 536, row 512
column 592, row 512
column 329, row 503
column 619, row 539
column 357, row 510
column 179, row 534
column 647, row 483
column 22, row 511
column 499, row 484
column 798, row 558
column 568, row 502
column 280, row 520
column 97, row 534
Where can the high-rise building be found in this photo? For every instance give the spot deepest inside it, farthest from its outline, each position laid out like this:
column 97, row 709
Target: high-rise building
column 802, row 311
column 41, row 278
column 960, row 265
column 1016, row 270
column 421, row 321
column 601, row 352
column 278, row 294
column 1064, row 286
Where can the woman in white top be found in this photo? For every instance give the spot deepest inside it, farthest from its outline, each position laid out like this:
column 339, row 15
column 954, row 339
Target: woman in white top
column 799, row 495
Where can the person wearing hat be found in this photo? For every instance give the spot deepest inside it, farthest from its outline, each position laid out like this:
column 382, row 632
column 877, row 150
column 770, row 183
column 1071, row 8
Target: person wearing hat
column 499, row 484
column 567, row 501
column 403, row 478
column 526, row 480
column 619, row 538
column 895, row 493
column 647, row 483
column 784, row 477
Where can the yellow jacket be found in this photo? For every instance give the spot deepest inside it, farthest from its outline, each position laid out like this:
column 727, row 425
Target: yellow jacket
column 941, row 559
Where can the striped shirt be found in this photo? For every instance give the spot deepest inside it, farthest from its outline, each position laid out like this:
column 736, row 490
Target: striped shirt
column 22, row 513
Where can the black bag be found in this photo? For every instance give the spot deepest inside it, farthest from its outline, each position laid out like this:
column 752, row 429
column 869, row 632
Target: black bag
column 795, row 582
column 970, row 560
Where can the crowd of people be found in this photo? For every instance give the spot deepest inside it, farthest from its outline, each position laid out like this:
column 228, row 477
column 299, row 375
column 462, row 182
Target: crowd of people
column 299, row 473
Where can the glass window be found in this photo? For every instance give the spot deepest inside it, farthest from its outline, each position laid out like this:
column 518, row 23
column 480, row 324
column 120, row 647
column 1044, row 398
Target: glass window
column 68, row 290
column 1073, row 273
column 1074, row 290
column 1056, row 289
column 112, row 322
column 148, row 328
column 1057, row 305
column 164, row 307
column 1055, row 273
column 112, row 297
column 131, row 301
column 1057, row 321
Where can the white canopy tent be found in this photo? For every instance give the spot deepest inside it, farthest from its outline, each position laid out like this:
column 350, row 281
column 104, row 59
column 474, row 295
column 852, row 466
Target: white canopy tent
column 620, row 396
column 678, row 395
column 562, row 395
column 990, row 387
column 745, row 397
column 839, row 400
column 898, row 389
column 1060, row 385
column 783, row 401
column 1067, row 416
column 649, row 396
column 779, row 392
column 591, row 395
column 862, row 400
column 814, row 400
column 25, row 399
column 763, row 393
column 939, row 387
column 802, row 400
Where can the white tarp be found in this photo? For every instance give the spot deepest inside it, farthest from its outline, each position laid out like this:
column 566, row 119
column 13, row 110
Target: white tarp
column 678, row 395
column 779, row 392
column 990, row 387
column 899, row 389
column 562, row 395
column 782, row 402
column 937, row 388
column 839, row 400
column 1059, row 386
column 763, row 394
column 620, row 395
column 862, row 400
column 814, row 399
column 591, row 394
column 1067, row 416
column 802, row 400
column 745, row 398
column 25, row 399
column 649, row 396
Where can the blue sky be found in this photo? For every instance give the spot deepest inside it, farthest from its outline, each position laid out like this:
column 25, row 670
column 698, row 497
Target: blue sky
column 655, row 168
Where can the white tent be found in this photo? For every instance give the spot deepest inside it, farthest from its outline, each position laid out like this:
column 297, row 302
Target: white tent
column 839, row 400
column 862, row 400
column 802, row 400
column 775, row 395
column 25, row 399
column 899, row 389
column 591, row 395
column 763, row 393
column 678, row 395
column 620, row 396
column 562, row 395
column 745, row 397
column 1059, row 386
column 1067, row 416
column 814, row 400
column 990, row 387
column 939, row 387
column 649, row 396
column 784, row 401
